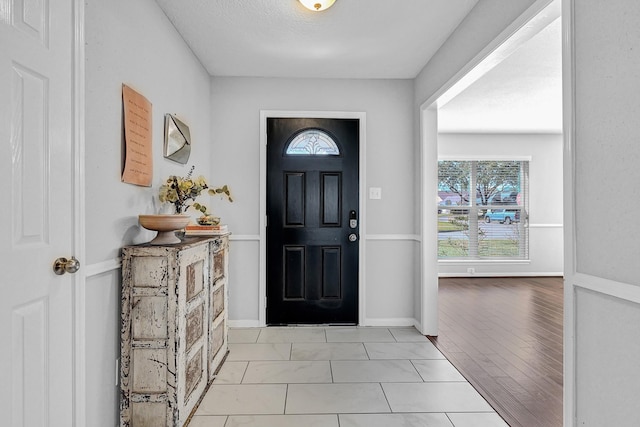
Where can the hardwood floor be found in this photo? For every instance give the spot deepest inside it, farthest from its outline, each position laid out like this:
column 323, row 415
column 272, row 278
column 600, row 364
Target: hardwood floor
column 505, row 336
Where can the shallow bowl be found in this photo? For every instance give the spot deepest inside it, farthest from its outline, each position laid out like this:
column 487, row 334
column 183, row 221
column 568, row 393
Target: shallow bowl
column 165, row 225
column 164, row 222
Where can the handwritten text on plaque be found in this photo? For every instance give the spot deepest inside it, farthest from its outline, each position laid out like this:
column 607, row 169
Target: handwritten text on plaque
column 138, row 161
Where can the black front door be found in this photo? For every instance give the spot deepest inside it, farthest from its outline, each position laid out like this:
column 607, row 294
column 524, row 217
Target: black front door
column 312, row 223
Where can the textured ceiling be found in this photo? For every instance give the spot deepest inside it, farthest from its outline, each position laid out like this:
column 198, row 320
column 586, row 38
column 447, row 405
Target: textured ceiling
column 519, row 89
column 280, row 38
column 520, row 94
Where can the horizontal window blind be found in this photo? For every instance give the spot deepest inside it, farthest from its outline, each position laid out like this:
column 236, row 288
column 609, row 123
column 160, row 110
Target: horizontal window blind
column 490, row 222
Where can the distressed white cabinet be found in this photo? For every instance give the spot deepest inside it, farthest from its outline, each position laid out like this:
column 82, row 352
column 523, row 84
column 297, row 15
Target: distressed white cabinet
column 174, row 328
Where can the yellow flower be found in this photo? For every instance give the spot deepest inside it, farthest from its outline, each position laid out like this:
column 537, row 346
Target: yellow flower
column 201, row 182
column 179, row 191
column 185, row 185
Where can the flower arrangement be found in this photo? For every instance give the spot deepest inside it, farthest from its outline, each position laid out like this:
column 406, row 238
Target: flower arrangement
column 181, row 190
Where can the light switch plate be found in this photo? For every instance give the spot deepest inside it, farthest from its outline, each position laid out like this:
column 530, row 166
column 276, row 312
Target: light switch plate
column 375, row 193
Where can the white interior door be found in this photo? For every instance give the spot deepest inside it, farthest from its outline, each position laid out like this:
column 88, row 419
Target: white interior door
column 36, row 212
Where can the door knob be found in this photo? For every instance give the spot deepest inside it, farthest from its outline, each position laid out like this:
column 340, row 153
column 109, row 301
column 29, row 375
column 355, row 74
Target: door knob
column 353, row 237
column 63, row 265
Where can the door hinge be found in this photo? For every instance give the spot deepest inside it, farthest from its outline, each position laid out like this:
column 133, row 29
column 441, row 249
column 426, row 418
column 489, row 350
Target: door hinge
column 266, row 220
column 265, row 302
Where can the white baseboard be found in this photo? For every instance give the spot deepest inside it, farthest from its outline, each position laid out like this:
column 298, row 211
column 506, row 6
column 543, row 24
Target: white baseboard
column 393, row 322
column 244, row 324
column 418, row 326
column 506, row 274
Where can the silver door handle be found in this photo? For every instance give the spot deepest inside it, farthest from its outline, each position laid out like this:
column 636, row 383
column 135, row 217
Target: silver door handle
column 63, row 265
column 353, row 237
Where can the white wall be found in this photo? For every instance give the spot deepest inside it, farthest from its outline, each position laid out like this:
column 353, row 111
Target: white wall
column 545, row 199
column 142, row 49
column 481, row 26
column 235, row 128
column 602, row 285
column 133, row 43
column 489, row 23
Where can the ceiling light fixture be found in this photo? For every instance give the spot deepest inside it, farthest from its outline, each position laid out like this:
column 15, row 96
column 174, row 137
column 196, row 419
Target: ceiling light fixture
column 317, row 5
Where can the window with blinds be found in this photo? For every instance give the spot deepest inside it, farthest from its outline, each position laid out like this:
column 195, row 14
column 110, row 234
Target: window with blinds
column 483, row 209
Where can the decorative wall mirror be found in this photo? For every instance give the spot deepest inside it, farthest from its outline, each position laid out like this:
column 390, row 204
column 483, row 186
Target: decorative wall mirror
column 177, row 139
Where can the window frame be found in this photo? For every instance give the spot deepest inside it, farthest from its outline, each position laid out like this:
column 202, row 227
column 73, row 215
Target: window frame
column 473, row 209
column 325, row 136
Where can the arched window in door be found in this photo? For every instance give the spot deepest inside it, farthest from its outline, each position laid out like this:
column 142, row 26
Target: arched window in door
column 312, row 142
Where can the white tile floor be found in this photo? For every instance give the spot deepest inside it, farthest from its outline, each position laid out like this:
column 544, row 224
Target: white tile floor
column 339, row 377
